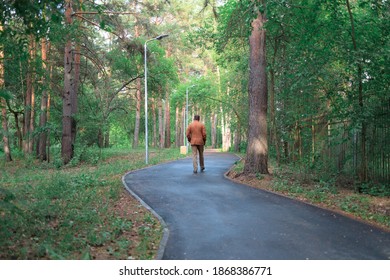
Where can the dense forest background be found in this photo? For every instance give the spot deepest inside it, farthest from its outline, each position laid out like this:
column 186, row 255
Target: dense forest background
column 72, row 72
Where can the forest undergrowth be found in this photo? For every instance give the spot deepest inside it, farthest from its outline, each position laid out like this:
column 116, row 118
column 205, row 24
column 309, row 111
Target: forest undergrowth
column 338, row 194
column 78, row 211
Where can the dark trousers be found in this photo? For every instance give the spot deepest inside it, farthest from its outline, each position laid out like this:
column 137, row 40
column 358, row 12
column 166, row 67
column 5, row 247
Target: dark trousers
column 197, row 149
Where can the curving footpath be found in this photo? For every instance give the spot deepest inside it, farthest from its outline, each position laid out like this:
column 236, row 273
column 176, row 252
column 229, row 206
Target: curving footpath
column 208, row 217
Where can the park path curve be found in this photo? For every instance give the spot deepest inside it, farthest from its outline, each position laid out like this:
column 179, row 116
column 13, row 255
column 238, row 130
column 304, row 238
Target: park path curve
column 206, row 216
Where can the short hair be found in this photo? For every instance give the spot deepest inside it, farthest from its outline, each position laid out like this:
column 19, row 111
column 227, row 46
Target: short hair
column 197, row 117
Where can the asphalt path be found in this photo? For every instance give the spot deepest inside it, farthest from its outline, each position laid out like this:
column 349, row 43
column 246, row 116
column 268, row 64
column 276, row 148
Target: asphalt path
column 208, row 217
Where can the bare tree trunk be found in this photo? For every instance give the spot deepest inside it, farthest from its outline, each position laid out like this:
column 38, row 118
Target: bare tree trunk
column 32, row 111
column 19, row 133
column 76, row 82
column 214, row 121
column 257, row 151
column 7, row 149
column 42, row 142
column 27, row 132
column 100, row 138
column 167, row 122
column 167, row 107
column 154, row 123
column 237, row 138
column 177, row 128
column 226, row 133
column 137, row 114
column 67, row 143
column 274, row 129
column 160, row 124
column 33, row 52
column 3, row 106
column 107, row 139
column 137, row 97
column 363, row 172
column 48, row 117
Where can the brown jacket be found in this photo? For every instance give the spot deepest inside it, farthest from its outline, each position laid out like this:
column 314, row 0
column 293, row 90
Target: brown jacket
column 196, row 133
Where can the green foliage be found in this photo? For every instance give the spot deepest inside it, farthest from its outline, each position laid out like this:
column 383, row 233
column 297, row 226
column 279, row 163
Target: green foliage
column 47, row 213
column 375, row 189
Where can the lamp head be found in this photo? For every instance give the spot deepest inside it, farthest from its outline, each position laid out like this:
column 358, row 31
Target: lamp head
column 161, row 36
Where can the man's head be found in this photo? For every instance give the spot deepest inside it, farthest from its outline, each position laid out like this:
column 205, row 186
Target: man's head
column 197, row 117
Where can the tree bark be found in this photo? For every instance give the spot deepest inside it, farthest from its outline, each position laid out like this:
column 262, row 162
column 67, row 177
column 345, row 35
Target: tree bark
column 167, row 107
column 154, row 123
column 274, row 129
column 3, row 105
column 226, row 132
column 67, row 144
column 160, row 124
column 167, row 121
column 214, row 122
column 177, row 128
column 257, row 151
column 137, row 114
column 137, row 98
column 42, row 142
column 76, row 82
column 237, row 138
column 363, row 172
column 107, row 138
column 28, row 102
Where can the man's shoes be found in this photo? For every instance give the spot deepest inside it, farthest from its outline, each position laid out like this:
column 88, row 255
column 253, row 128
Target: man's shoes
column 195, row 171
column 202, row 169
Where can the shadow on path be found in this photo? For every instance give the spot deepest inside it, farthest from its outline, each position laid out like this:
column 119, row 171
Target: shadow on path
column 207, row 216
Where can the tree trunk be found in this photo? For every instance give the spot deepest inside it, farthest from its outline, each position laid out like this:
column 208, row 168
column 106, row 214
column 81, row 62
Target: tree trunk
column 76, row 82
column 48, row 119
column 3, row 105
column 107, row 138
column 154, row 123
column 160, row 124
column 167, row 107
column 274, row 129
column 138, row 98
column 67, row 144
column 226, row 132
column 257, row 151
column 137, row 114
column 363, row 172
column 42, row 142
column 19, row 133
column 237, row 138
column 184, row 127
column 214, row 121
column 100, row 138
column 7, row 149
column 177, row 128
column 28, row 102
column 167, row 122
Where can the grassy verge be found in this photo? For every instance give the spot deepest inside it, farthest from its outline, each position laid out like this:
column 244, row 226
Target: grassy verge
column 80, row 211
column 327, row 194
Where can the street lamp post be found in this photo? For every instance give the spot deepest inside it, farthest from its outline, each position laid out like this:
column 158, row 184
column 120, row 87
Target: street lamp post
column 186, row 117
column 146, row 94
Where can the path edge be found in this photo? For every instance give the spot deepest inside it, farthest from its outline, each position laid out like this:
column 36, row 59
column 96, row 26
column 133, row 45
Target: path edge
column 164, row 239
column 379, row 227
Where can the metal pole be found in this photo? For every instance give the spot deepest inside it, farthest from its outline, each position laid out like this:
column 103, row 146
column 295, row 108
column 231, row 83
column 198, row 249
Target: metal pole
column 146, row 94
column 146, row 105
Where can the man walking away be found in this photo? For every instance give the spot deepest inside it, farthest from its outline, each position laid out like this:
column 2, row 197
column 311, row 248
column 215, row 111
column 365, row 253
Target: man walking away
column 196, row 135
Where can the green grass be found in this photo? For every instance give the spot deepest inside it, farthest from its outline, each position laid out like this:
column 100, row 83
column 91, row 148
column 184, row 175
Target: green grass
column 48, row 211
